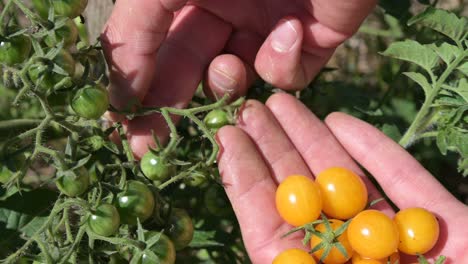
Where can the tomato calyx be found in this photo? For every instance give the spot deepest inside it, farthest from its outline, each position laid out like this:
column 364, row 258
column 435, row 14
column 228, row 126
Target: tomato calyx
column 329, row 237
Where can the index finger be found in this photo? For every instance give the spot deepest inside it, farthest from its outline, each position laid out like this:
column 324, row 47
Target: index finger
column 402, row 177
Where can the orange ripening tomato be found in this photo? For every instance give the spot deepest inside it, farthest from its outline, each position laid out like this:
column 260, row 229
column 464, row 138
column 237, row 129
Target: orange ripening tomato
column 372, row 234
column 419, row 230
column 294, row 255
column 344, row 194
column 394, row 259
column 298, row 200
column 334, row 256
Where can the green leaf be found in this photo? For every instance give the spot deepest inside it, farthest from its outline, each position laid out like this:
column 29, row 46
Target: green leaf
column 463, row 166
column 442, row 142
column 442, row 21
column 464, row 68
column 419, row 79
column 461, row 89
column 204, row 239
column 446, row 52
column 412, row 51
column 20, row 222
column 391, row 131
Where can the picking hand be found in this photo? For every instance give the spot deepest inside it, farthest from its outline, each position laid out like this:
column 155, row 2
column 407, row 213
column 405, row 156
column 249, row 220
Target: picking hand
column 159, row 50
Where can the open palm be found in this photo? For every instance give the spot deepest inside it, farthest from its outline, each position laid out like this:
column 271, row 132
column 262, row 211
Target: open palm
column 283, row 137
column 159, row 50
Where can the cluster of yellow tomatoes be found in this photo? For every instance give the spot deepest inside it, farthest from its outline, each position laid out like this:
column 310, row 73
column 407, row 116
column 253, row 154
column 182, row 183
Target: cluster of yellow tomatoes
column 349, row 232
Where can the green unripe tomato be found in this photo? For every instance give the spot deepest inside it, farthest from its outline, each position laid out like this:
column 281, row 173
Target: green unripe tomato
column 164, row 249
column 68, row 33
column 64, row 60
column 216, row 119
column 15, row 162
column 117, row 259
column 5, row 174
column 137, row 202
column 180, row 228
column 68, row 8
column 91, row 101
column 15, row 50
column 216, row 201
column 105, row 220
column 198, row 181
column 74, row 186
column 155, row 167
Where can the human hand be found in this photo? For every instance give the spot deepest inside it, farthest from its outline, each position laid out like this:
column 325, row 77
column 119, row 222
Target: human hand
column 159, row 57
column 283, row 138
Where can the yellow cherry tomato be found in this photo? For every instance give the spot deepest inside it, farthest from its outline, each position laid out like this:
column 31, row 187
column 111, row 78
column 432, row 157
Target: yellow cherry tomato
column 358, row 259
column 298, row 200
column 372, row 234
column 344, row 194
column 334, row 256
column 294, row 255
column 419, row 230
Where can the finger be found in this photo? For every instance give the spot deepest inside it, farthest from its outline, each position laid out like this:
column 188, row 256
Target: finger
column 314, row 141
column 181, row 61
column 339, row 16
column 251, row 191
column 276, row 148
column 238, row 70
column 282, row 61
column 403, row 179
column 227, row 74
column 131, row 39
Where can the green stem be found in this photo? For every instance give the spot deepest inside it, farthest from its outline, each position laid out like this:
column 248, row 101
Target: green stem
column 174, row 136
column 430, row 134
column 44, row 251
column 179, row 177
column 126, row 145
column 412, row 133
column 13, row 124
column 117, row 240
column 79, row 236
column 2, row 16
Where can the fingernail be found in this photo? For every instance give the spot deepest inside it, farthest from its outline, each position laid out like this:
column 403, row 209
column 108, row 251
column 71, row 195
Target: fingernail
column 284, row 36
column 223, row 80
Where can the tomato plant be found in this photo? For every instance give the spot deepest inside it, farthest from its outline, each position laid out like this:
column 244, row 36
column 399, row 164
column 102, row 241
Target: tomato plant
column 156, row 167
column 15, row 49
column 418, row 229
column 372, row 234
column 180, row 228
column 91, row 101
column 298, row 200
column 343, row 193
column 334, row 256
column 104, row 220
column 294, row 256
column 135, row 202
column 74, row 184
